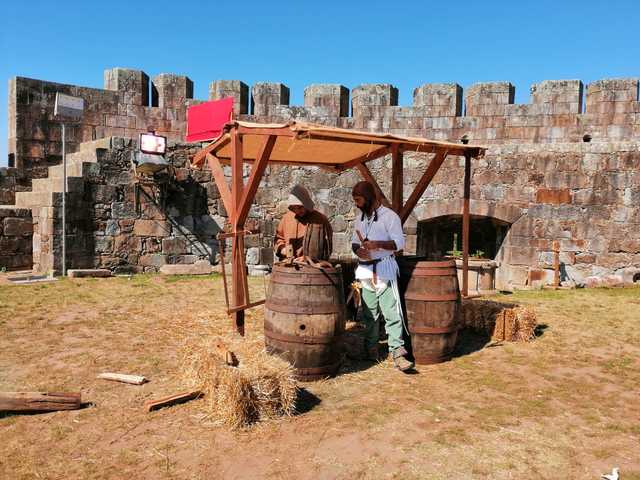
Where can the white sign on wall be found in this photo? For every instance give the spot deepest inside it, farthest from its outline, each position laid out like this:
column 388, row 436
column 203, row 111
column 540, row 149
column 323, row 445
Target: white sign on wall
column 68, row 106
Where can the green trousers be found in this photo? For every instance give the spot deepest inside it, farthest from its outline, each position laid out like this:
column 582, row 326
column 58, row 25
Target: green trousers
column 372, row 305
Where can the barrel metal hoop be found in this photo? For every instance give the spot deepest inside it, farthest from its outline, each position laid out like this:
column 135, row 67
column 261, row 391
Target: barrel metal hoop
column 432, row 330
column 301, row 279
column 431, row 272
column 316, row 308
column 430, row 297
column 426, row 264
column 307, row 340
column 328, row 369
column 431, row 359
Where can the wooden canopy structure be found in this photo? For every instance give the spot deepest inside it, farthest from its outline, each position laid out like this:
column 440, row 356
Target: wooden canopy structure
column 334, row 149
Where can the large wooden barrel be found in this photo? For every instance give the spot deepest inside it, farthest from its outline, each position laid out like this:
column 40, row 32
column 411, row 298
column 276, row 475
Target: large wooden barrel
column 305, row 318
column 432, row 302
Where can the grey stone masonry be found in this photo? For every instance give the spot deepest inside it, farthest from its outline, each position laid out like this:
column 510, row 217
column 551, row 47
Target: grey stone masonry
column 265, row 96
column 171, row 91
column 333, row 99
column 16, row 230
column 132, row 85
column 439, row 99
column 231, row 88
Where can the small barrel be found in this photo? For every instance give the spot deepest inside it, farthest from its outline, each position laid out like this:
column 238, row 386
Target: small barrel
column 305, row 318
column 432, row 301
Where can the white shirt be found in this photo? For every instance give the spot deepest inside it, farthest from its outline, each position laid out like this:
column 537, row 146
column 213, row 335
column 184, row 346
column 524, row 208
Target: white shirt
column 387, row 227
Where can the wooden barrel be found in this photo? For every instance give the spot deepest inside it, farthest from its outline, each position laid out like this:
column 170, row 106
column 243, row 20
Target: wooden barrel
column 305, row 318
column 432, row 301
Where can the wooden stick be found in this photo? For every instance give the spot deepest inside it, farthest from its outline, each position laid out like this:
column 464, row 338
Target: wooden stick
column 39, row 401
column 227, row 355
column 150, row 405
column 121, row 377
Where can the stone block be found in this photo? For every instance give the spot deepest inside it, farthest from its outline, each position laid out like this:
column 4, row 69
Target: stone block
column 89, row 273
column 200, row 267
column 174, row 246
column 17, row 227
column 103, row 244
column 152, row 260
column 553, row 196
column 151, row 228
column 253, row 256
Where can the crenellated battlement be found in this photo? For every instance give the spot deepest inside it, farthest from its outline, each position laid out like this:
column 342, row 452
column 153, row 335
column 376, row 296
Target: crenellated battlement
column 131, row 102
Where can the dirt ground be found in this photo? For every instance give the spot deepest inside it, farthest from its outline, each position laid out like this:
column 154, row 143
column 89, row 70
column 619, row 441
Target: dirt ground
column 563, row 406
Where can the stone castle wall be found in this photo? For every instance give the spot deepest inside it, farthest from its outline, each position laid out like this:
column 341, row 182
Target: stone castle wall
column 540, row 176
column 131, row 103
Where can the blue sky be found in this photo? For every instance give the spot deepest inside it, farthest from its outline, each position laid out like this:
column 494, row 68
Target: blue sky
column 405, row 43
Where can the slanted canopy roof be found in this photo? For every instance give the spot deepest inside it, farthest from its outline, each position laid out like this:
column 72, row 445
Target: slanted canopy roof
column 300, row 143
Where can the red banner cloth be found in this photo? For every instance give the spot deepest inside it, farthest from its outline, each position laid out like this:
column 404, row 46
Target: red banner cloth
column 205, row 120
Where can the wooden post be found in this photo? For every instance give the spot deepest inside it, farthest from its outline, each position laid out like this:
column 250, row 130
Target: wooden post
column 238, row 274
column 465, row 225
column 397, row 178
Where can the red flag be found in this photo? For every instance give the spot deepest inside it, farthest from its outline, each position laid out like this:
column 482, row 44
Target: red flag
column 205, row 120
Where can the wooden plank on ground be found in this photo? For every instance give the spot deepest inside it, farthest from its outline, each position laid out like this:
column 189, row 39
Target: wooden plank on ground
column 121, row 377
column 182, row 397
column 39, row 401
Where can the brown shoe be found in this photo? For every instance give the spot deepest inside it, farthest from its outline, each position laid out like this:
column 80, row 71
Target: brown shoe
column 400, row 361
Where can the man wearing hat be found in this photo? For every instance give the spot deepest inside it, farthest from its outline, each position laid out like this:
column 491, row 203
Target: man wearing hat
column 293, row 226
column 377, row 236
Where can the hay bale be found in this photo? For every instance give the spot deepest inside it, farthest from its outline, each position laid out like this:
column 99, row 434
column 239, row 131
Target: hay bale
column 261, row 387
column 499, row 321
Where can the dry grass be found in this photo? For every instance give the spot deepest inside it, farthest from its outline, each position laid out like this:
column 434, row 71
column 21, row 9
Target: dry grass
column 563, row 405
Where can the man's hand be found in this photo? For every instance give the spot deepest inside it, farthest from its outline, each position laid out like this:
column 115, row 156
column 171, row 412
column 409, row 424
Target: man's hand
column 370, row 245
column 363, row 253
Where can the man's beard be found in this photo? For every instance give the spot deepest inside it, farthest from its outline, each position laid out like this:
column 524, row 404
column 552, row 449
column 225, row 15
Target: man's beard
column 367, row 208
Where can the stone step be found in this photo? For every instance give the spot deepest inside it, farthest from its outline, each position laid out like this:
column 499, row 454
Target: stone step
column 79, row 157
column 55, row 184
column 73, row 170
column 34, row 199
column 103, row 143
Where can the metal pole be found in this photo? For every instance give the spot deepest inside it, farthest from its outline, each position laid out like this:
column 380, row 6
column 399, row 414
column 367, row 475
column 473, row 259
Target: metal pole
column 64, row 204
column 465, row 225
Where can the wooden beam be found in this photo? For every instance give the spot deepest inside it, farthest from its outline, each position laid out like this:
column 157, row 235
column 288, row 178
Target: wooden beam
column 422, row 185
column 221, row 182
column 366, row 174
column 396, row 178
column 238, row 272
column 254, row 180
column 278, row 132
column 39, row 401
column 182, row 397
column 328, row 138
column 465, row 225
column 367, row 157
column 199, row 157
